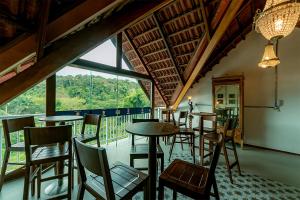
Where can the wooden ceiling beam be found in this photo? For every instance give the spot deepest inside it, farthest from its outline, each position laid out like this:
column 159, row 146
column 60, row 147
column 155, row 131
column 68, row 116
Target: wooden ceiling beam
column 164, row 36
column 149, row 43
column 188, row 12
column 144, row 33
column 225, row 22
column 206, row 25
column 154, row 52
column 185, row 30
column 186, row 42
column 68, row 49
column 144, row 65
column 73, row 19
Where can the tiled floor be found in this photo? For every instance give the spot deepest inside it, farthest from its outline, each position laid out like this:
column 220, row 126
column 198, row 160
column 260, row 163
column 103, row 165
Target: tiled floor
column 266, row 174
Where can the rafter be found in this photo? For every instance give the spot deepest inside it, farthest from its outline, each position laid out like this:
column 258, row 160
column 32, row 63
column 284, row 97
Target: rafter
column 144, row 64
column 202, row 8
column 185, row 29
column 76, row 45
column 225, row 22
column 162, row 33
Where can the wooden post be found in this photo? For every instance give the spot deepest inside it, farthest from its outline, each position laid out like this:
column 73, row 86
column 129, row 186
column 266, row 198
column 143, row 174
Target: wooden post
column 50, row 96
column 152, row 95
column 119, row 51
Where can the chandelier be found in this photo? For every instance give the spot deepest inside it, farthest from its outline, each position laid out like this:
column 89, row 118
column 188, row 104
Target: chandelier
column 278, row 19
column 269, row 58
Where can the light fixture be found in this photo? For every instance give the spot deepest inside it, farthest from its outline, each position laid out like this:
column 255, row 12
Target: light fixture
column 278, row 19
column 269, row 58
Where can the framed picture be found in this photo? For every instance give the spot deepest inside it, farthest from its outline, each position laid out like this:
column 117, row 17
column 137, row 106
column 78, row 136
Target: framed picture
column 220, row 96
column 231, row 101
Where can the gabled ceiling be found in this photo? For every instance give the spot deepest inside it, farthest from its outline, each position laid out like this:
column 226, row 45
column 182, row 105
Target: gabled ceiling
column 164, row 39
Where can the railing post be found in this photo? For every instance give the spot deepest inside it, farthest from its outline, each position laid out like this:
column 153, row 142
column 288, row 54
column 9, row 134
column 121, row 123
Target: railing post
column 106, row 130
column 1, row 146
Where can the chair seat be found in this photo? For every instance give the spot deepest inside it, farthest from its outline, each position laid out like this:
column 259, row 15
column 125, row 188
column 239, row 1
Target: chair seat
column 205, row 129
column 86, row 137
column 125, row 181
column 20, row 146
column 211, row 137
column 142, row 150
column 186, row 177
column 186, row 131
column 46, row 153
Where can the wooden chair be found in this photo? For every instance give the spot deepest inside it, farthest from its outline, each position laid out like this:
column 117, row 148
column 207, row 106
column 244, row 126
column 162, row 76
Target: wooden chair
column 118, row 182
column 228, row 138
column 11, row 126
column 141, row 151
column 205, row 128
column 189, row 179
column 182, row 119
column 186, row 136
column 167, row 116
column 90, row 120
column 52, row 144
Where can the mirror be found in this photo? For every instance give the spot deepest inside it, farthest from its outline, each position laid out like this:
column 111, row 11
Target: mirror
column 228, row 101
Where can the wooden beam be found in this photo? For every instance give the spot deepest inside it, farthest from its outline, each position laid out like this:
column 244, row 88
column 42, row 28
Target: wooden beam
column 119, row 51
column 202, row 8
column 51, row 97
column 186, row 42
column 72, row 20
column 94, row 66
column 167, row 46
column 149, row 43
column 228, row 17
column 185, row 29
column 152, row 99
column 144, row 64
column 68, row 49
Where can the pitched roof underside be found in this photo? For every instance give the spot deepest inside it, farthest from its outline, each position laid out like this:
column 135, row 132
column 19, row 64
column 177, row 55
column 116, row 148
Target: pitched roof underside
column 165, row 44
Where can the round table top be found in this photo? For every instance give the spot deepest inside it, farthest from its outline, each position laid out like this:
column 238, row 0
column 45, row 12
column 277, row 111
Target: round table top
column 61, row 118
column 202, row 113
column 152, row 129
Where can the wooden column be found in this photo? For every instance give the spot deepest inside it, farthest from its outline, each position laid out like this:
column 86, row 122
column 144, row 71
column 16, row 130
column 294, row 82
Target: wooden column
column 50, row 95
column 119, row 51
column 152, row 99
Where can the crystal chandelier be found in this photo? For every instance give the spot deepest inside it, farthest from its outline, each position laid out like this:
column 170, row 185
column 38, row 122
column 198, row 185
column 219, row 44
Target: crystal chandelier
column 278, row 19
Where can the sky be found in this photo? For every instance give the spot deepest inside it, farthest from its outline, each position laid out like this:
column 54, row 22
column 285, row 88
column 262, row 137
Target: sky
column 105, row 54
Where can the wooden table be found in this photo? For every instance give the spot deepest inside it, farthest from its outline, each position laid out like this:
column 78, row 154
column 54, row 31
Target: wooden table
column 59, row 187
column 152, row 130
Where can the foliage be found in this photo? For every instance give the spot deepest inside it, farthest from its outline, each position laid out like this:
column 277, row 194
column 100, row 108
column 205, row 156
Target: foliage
column 80, row 92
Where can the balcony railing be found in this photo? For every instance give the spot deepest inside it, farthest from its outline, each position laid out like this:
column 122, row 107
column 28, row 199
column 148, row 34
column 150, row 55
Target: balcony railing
column 113, row 123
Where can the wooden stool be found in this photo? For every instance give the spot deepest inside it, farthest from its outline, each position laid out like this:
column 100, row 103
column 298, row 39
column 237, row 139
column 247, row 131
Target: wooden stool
column 228, row 137
column 11, row 126
column 118, row 182
column 141, row 151
column 187, row 136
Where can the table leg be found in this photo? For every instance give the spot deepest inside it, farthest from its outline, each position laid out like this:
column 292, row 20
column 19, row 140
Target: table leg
column 152, row 167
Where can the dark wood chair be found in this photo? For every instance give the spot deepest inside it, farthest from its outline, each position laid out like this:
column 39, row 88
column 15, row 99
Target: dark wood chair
column 93, row 121
column 11, row 126
column 186, row 136
column 52, row 144
column 118, row 182
column 189, row 179
column 228, row 138
column 207, row 129
column 167, row 116
column 141, row 151
column 182, row 119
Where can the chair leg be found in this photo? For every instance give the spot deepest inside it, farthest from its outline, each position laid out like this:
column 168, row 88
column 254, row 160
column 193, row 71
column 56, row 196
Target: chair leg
column 26, row 183
column 236, row 157
column 180, row 136
column 174, row 195
column 215, row 187
column 161, row 191
column 172, row 146
column 162, row 160
column 146, row 190
column 70, row 176
column 193, row 147
column 227, row 162
column 202, row 150
column 80, row 192
column 4, row 166
column 131, row 162
column 39, row 183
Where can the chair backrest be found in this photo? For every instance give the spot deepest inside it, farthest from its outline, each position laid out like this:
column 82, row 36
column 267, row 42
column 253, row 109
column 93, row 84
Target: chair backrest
column 230, row 125
column 209, row 117
column 91, row 119
column 141, row 120
column 168, row 116
column 14, row 125
column 94, row 160
column 213, row 164
column 183, row 115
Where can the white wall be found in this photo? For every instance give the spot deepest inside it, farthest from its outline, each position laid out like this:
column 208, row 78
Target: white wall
column 263, row 126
